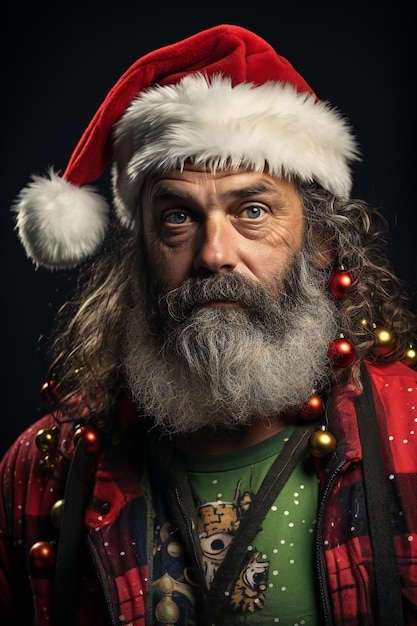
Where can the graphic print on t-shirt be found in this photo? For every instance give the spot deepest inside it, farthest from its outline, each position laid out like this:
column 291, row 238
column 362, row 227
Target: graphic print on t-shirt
column 277, row 583
column 217, row 523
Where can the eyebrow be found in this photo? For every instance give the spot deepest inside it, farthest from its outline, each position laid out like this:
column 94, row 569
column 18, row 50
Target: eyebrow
column 252, row 190
column 166, row 192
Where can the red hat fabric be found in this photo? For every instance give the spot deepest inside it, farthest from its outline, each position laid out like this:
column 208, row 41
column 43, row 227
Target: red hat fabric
column 222, row 96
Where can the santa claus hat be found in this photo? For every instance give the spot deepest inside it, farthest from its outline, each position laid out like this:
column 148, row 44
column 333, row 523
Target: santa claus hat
column 223, row 97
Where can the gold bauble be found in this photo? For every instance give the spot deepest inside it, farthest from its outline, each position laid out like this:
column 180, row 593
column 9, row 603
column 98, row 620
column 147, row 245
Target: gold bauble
column 47, row 439
column 410, row 357
column 385, row 340
column 321, row 443
column 49, row 462
column 57, row 513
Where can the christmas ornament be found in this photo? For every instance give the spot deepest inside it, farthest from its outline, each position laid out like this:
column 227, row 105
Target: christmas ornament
column 91, row 436
column 47, row 439
column 312, row 408
column 339, row 283
column 321, row 443
column 49, row 392
column 385, row 340
column 49, row 462
column 42, row 555
column 341, row 352
column 410, row 357
column 57, row 513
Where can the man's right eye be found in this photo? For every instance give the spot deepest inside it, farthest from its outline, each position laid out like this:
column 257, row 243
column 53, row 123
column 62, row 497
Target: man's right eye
column 178, row 217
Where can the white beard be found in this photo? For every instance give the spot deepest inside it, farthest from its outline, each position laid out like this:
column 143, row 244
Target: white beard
column 224, row 367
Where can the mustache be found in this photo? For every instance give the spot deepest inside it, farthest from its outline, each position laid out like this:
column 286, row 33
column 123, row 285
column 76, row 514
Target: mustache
column 178, row 304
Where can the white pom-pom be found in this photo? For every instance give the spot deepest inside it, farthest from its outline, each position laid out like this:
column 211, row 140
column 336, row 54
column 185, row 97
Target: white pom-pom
column 60, row 225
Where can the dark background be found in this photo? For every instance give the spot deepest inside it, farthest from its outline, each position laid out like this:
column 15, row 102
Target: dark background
column 58, row 64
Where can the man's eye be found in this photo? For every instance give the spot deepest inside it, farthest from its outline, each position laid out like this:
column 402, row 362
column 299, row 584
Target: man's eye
column 253, row 211
column 179, row 217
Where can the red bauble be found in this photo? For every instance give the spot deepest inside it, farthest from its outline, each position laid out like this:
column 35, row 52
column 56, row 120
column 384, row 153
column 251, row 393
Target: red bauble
column 339, row 283
column 312, row 408
column 49, row 392
column 91, row 436
column 42, row 555
column 341, row 352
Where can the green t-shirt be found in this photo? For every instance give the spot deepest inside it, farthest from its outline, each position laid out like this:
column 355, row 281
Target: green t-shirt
column 277, row 585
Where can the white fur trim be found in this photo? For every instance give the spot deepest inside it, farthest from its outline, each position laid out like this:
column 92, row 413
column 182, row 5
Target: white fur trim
column 60, row 225
column 208, row 119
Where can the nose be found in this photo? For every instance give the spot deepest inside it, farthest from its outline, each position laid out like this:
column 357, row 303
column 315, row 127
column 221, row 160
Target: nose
column 217, row 248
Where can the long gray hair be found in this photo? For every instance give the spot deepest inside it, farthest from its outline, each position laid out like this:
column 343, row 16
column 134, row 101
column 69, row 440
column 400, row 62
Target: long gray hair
column 86, row 347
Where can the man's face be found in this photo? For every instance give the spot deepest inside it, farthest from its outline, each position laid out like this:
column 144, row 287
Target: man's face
column 199, row 223
column 235, row 321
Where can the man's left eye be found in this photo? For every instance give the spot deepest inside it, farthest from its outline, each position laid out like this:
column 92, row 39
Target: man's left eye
column 253, row 211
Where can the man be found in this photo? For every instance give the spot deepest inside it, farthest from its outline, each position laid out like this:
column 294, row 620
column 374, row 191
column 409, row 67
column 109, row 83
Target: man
column 231, row 434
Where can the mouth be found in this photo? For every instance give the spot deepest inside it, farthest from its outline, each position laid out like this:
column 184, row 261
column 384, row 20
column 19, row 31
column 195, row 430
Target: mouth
column 230, row 304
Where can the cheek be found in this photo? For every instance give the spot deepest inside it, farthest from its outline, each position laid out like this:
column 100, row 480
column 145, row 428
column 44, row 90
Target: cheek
column 268, row 262
column 169, row 266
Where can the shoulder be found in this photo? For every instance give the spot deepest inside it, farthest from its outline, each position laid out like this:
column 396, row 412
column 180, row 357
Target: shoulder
column 395, row 395
column 395, row 381
column 27, row 487
column 24, row 452
column 392, row 370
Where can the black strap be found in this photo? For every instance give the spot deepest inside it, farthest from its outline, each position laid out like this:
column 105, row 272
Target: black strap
column 387, row 576
column 69, row 540
column 237, row 553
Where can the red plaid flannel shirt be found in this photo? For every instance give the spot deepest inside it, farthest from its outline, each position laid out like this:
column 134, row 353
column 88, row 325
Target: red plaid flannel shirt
column 344, row 551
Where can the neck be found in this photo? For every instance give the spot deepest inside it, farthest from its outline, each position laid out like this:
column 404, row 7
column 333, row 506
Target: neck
column 207, row 441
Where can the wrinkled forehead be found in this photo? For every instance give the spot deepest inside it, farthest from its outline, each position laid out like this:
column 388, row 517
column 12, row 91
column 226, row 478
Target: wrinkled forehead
column 237, row 182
